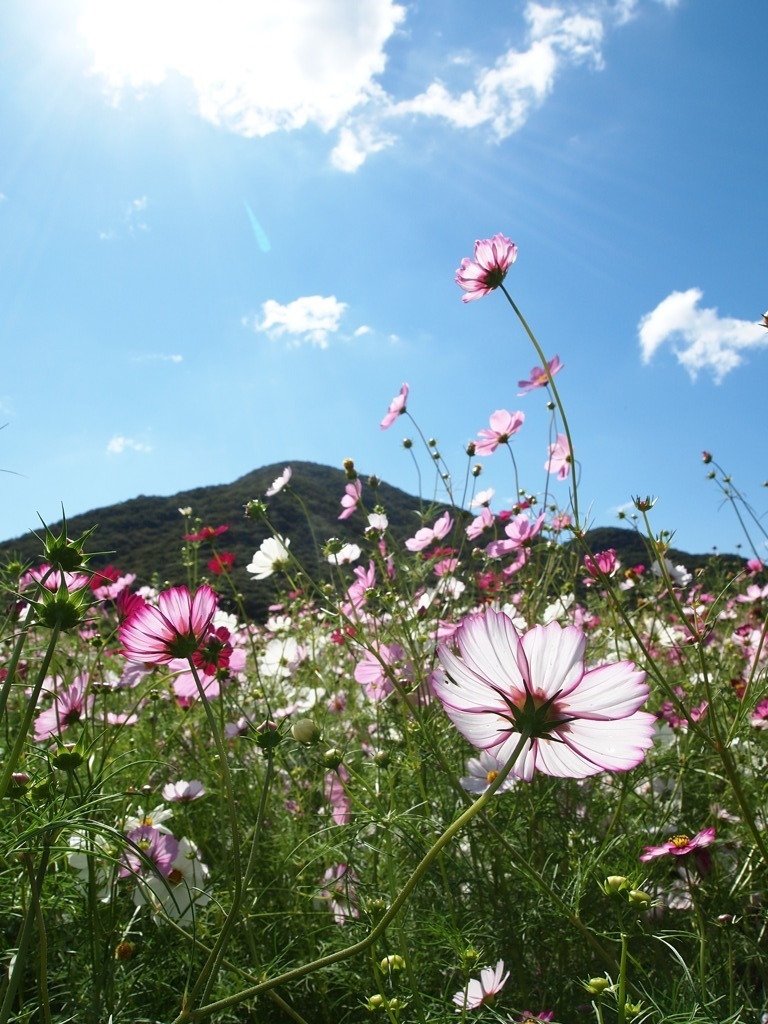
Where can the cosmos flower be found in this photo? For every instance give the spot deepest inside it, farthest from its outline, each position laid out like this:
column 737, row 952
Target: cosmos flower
column 680, row 846
column 503, row 426
column 495, row 684
column 350, row 499
column 183, row 791
column 493, row 258
column 538, row 377
column 272, row 554
column 173, row 629
column 396, row 407
column 69, row 706
column 492, row 980
column 279, row 483
column 560, row 458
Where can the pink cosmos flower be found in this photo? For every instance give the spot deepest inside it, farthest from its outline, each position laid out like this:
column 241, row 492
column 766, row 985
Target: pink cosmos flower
column 206, row 533
column 159, row 848
column 396, row 407
column 493, row 258
column 174, row 629
column 539, row 378
column 503, row 426
column 183, row 791
column 520, row 531
column 340, row 889
column 602, row 562
column 69, row 706
column 560, row 522
column 679, row 846
column 480, row 524
column 372, row 672
column 492, row 980
column 560, row 458
column 429, row 534
column 337, row 796
column 349, row 502
column 53, row 579
column 495, row 684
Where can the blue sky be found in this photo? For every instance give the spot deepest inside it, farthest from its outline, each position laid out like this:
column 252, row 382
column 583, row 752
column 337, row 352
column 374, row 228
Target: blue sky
column 227, row 237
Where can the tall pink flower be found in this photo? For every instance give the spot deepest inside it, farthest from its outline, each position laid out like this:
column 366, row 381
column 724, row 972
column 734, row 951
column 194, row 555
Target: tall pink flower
column 396, row 407
column 538, row 377
column 503, row 426
column 174, row 629
column 495, row 684
column 493, row 258
column 560, row 458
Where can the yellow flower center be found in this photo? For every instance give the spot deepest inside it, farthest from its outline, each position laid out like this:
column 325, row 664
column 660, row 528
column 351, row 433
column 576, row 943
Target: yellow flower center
column 491, row 776
column 679, row 841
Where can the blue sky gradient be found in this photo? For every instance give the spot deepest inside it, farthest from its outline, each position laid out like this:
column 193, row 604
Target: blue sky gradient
column 227, row 239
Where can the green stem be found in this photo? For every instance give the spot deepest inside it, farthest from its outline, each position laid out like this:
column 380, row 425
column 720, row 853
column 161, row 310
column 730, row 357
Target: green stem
column 29, row 713
column 212, row 964
column 189, row 1014
column 621, row 1007
column 555, row 395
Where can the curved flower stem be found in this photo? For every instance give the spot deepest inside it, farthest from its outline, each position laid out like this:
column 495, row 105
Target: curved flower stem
column 555, row 395
column 190, row 1014
column 30, row 711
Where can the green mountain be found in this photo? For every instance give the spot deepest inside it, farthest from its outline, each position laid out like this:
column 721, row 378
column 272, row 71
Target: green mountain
column 145, row 535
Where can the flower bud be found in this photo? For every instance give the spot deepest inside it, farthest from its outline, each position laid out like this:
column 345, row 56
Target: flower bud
column 376, row 1002
column 639, row 899
column 305, row 731
column 597, row 985
column 615, row 883
column 393, row 962
column 124, row 951
column 332, row 758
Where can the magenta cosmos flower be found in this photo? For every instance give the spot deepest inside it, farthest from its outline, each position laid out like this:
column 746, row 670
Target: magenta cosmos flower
column 538, row 377
column 492, row 980
column 174, row 629
column 495, row 684
column 493, row 258
column 680, row 846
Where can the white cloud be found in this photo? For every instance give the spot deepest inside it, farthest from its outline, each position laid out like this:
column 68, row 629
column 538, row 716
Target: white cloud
column 257, row 68
column 356, row 143
column 309, row 319
column 118, row 445
column 520, row 80
column 700, row 338
column 361, row 330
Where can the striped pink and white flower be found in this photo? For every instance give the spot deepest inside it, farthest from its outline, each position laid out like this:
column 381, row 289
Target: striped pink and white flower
column 497, row 685
column 174, row 629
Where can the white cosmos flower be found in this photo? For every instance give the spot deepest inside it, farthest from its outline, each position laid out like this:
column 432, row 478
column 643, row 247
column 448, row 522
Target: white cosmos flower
column 272, row 554
column 278, row 484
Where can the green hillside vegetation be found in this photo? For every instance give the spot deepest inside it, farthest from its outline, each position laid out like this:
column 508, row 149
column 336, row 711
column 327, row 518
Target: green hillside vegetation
column 145, row 535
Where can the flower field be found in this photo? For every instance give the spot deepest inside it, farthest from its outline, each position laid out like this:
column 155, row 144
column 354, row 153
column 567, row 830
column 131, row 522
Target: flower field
column 486, row 774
